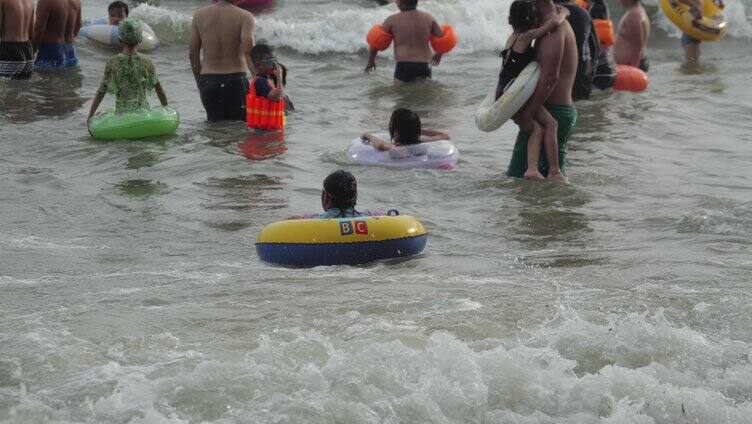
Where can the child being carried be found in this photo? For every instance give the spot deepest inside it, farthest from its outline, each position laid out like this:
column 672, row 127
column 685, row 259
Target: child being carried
column 517, row 54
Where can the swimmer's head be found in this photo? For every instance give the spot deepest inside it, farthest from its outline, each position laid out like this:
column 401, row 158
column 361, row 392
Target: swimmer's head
column 130, row 32
column 404, row 127
column 522, row 15
column 117, row 11
column 340, row 191
column 263, row 59
column 407, row 4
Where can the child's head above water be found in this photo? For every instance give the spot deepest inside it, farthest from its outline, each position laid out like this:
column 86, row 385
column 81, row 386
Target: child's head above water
column 404, row 5
column 117, row 11
column 340, row 191
column 404, row 127
column 522, row 15
column 130, row 32
column 263, row 59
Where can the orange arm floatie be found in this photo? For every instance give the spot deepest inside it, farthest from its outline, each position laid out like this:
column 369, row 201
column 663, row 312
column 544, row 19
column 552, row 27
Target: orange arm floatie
column 379, row 39
column 446, row 43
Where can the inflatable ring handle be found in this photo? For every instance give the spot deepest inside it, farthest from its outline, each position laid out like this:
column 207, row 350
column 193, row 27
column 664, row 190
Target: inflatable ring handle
column 629, row 78
column 379, row 39
column 445, row 44
column 604, row 28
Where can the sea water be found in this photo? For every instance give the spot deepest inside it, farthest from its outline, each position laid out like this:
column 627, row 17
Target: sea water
column 131, row 291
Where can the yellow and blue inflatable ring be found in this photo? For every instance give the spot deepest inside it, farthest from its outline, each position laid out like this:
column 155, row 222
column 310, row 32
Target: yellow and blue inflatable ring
column 712, row 26
column 340, row 241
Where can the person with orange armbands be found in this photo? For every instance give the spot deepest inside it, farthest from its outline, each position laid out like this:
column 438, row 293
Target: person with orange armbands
column 630, row 47
column 412, row 31
column 265, row 103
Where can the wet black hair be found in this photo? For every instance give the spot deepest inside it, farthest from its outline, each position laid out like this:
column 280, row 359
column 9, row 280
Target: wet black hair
column 407, row 124
column 342, row 188
column 409, row 4
column 259, row 51
column 522, row 15
column 115, row 5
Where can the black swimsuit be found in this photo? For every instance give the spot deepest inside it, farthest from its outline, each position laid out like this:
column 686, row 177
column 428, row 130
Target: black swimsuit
column 514, row 63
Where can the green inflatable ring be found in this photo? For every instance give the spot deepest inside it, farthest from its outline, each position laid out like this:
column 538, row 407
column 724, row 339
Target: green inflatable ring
column 133, row 125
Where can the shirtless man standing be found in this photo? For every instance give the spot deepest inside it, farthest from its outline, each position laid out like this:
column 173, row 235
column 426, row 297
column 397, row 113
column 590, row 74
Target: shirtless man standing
column 16, row 32
column 557, row 55
column 630, row 47
column 225, row 33
column 57, row 25
column 411, row 30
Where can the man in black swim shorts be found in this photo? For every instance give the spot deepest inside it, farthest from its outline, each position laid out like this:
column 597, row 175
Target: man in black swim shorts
column 16, row 60
column 16, row 32
column 225, row 34
column 411, row 30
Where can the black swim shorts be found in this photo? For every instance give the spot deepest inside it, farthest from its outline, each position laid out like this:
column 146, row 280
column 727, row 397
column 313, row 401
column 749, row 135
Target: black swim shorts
column 16, row 59
column 410, row 71
column 223, row 96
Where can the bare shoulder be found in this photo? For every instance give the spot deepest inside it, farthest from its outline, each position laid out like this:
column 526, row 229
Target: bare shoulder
column 246, row 15
column 426, row 16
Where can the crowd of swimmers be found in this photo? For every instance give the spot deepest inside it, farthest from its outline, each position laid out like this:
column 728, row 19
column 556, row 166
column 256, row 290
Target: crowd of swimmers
column 560, row 36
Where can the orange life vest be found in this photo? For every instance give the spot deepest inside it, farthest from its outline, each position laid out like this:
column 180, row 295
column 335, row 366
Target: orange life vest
column 262, row 113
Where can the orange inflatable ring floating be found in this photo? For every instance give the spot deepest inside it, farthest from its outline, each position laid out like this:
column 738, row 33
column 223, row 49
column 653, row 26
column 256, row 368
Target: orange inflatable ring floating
column 445, row 44
column 629, row 78
column 379, row 39
column 605, row 30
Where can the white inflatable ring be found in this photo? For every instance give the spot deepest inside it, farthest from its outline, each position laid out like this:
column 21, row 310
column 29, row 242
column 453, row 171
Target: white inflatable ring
column 435, row 154
column 102, row 32
column 492, row 114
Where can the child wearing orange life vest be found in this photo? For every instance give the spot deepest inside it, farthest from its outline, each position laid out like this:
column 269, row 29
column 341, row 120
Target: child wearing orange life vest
column 265, row 104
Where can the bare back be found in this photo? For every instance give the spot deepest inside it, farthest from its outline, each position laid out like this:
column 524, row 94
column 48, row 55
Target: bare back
column 412, row 30
column 224, row 32
column 16, row 20
column 632, row 37
column 562, row 92
column 57, row 21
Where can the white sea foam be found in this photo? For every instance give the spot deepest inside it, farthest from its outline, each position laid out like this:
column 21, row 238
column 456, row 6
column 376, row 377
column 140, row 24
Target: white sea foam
column 631, row 369
column 480, row 24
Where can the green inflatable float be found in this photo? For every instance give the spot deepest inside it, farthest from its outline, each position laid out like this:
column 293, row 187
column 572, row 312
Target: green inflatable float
column 135, row 125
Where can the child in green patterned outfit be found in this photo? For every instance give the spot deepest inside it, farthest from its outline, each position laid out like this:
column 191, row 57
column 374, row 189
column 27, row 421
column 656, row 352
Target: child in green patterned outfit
column 129, row 75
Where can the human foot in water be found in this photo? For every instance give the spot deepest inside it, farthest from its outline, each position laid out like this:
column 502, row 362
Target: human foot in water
column 557, row 176
column 533, row 174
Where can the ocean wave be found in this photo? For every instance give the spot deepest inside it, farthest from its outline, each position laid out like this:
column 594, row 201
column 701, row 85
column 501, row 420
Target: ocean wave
column 480, row 24
column 637, row 368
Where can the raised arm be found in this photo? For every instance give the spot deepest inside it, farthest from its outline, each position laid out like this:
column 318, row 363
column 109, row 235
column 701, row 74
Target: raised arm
column 278, row 91
column 40, row 24
column 246, row 40
column 548, row 26
column 194, row 50
column 549, row 56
